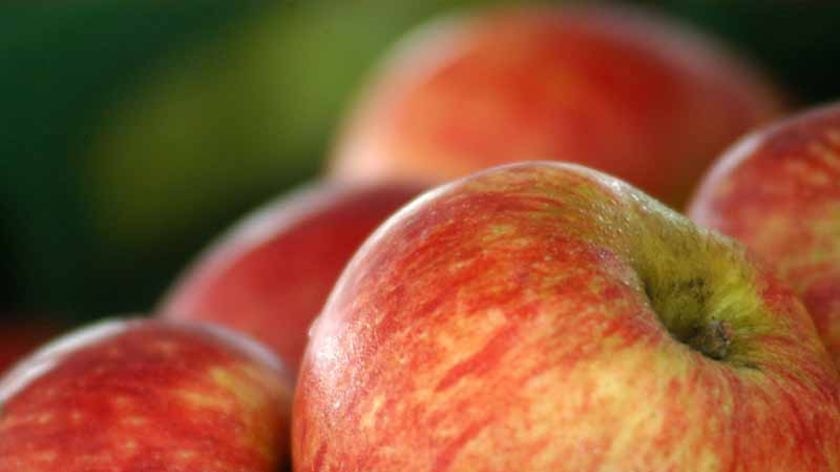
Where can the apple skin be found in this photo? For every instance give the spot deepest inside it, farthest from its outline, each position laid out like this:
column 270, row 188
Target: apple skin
column 146, row 395
column 270, row 276
column 529, row 318
column 778, row 192
column 617, row 89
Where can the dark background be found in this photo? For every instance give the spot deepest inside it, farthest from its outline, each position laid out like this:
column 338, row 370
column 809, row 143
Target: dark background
column 132, row 132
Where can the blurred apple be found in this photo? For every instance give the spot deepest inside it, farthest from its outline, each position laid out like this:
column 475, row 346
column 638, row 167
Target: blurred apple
column 136, row 129
column 270, row 275
column 778, row 191
column 229, row 119
column 623, row 90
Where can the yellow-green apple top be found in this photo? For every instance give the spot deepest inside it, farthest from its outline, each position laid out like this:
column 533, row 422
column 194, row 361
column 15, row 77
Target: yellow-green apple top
column 547, row 317
column 778, row 191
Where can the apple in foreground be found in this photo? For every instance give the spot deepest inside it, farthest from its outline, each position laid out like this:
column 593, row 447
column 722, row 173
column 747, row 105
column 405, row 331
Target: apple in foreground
column 146, row 395
column 778, row 191
column 270, row 276
column 547, row 317
column 621, row 90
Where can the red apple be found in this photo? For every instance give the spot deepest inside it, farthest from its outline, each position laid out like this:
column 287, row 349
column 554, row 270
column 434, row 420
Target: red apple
column 622, row 90
column 547, row 317
column 778, row 191
column 146, row 396
column 271, row 275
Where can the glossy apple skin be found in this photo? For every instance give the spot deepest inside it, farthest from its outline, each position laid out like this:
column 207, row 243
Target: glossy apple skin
column 506, row 322
column 146, row 395
column 624, row 91
column 270, row 276
column 778, row 191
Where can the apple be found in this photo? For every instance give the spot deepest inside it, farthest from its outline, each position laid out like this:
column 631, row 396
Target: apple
column 132, row 395
column 548, row 317
column 618, row 89
column 230, row 101
column 265, row 86
column 778, row 191
column 270, row 275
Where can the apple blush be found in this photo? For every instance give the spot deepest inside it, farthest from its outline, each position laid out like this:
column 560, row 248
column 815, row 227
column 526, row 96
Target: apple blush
column 548, row 317
column 778, row 192
column 144, row 395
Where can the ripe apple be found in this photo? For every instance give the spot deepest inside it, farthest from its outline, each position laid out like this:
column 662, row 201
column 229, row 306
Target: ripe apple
column 778, row 191
column 621, row 90
column 547, row 317
column 271, row 275
column 146, row 395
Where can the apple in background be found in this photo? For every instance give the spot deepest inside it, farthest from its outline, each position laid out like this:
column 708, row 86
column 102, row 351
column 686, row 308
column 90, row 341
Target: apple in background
column 19, row 337
column 778, row 191
column 622, row 90
column 547, row 317
column 146, row 395
column 266, row 87
column 270, row 276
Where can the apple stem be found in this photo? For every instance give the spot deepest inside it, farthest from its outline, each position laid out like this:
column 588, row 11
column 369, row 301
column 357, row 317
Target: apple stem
column 712, row 339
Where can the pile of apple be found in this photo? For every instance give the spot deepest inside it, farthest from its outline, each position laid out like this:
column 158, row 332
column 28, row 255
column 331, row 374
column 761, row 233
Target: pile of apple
column 538, row 316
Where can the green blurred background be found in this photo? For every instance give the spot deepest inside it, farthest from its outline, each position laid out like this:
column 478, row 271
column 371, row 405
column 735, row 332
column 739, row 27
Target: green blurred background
column 132, row 132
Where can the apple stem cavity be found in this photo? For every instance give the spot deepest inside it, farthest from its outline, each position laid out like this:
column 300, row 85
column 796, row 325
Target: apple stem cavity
column 712, row 339
column 682, row 309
